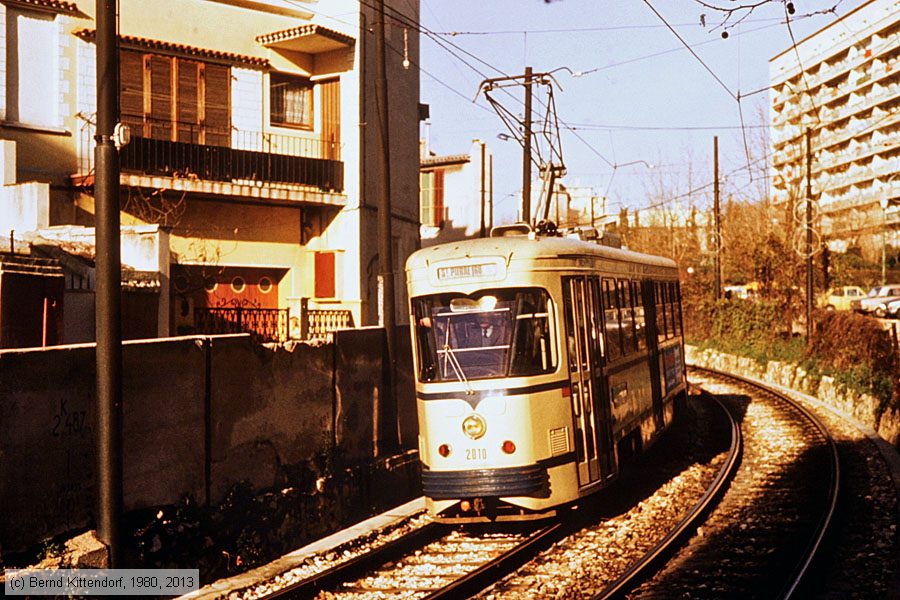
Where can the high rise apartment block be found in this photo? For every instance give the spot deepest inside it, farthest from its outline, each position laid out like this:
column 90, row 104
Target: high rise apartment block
column 842, row 83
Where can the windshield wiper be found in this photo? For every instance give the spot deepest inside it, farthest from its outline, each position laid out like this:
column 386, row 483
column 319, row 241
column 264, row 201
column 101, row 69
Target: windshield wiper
column 450, row 357
column 457, row 368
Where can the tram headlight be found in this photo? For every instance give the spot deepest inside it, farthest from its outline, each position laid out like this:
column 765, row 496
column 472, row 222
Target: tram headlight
column 474, row 426
column 444, row 450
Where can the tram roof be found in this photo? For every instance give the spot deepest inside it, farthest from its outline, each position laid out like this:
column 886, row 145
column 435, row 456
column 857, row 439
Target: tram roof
column 527, row 248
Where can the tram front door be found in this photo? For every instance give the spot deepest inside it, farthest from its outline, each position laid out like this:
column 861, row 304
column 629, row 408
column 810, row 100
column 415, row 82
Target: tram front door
column 585, row 361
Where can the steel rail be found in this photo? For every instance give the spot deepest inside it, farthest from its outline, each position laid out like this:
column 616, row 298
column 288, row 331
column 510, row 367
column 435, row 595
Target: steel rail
column 471, row 583
column 799, row 577
column 647, row 565
column 359, row 565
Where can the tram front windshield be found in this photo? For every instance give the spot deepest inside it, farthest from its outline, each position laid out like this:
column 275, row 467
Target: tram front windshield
column 492, row 333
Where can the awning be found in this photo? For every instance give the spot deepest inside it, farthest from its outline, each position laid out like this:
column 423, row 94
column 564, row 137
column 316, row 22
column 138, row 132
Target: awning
column 444, row 161
column 309, row 39
column 51, row 6
column 130, row 41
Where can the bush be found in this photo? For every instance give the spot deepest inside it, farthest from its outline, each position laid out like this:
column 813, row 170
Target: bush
column 859, row 352
column 855, row 350
column 847, row 340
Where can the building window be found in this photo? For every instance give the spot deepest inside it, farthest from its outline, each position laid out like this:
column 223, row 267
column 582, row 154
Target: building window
column 431, row 198
column 238, row 284
column 32, row 69
column 291, row 101
column 265, row 285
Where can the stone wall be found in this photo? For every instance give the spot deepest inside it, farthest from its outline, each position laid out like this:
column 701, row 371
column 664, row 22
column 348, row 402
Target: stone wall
column 201, row 414
column 862, row 407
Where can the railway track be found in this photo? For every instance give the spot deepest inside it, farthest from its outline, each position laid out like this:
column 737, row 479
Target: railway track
column 765, row 537
column 435, row 561
column 754, row 527
column 438, row 562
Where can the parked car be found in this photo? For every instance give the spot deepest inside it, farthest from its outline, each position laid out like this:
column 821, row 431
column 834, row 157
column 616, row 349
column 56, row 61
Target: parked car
column 877, row 300
column 893, row 309
column 840, row 298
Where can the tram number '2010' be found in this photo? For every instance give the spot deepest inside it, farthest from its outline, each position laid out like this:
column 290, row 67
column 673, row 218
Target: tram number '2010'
column 476, row 454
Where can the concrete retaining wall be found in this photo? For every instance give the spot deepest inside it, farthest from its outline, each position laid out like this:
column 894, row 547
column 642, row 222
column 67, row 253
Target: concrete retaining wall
column 863, row 407
column 200, row 414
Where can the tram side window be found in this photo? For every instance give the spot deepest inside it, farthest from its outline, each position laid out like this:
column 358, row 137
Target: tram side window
column 640, row 323
column 660, row 294
column 597, row 346
column 424, row 341
column 570, row 326
column 676, row 307
column 627, row 315
column 532, row 343
column 611, row 326
column 670, row 310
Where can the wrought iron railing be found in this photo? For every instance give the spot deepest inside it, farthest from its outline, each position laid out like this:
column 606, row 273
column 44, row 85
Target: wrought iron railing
column 263, row 324
column 229, row 155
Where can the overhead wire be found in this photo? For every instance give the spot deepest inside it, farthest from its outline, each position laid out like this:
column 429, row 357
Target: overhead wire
column 800, row 64
column 766, row 155
column 735, row 96
column 576, row 29
column 573, row 129
column 403, row 18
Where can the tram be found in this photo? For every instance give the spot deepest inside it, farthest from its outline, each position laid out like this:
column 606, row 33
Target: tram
column 541, row 363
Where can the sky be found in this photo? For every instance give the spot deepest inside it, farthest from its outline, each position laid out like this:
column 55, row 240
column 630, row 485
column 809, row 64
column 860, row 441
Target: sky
column 643, row 108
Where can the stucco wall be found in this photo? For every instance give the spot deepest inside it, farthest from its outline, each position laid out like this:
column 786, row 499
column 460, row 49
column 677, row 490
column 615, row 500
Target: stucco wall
column 268, row 410
column 200, row 414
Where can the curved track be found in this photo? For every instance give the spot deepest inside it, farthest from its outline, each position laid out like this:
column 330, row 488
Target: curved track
column 649, row 562
column 438, row 562
column 774, row 523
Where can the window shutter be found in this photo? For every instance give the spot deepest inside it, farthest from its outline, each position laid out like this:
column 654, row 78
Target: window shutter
column 160, row 96
column 217, row 88
column 325, row 275
column 426, row 198
column 331, row 118
column 131, row 82
column 187, row 97
column 439, row 197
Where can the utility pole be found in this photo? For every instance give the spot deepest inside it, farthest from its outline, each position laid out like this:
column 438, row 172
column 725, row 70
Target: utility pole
column 483, row 200
column 555, row 167
column 385, row 408
column 717, row 220
column 109, row 284
column 809, row 252
column 526, row 154
column 491, row 191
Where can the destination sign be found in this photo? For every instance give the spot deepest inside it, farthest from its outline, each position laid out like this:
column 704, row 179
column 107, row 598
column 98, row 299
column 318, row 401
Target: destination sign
column 467, row 271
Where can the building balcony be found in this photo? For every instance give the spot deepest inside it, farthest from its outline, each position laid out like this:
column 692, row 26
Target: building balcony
column 232, row 162
column 828, row 72
column 859, row 100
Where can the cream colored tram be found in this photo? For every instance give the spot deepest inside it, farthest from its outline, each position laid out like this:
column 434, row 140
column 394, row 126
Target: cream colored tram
column 539, row 362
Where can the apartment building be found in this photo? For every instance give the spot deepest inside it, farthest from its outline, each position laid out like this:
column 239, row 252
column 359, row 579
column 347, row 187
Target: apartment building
column 842, row 83
column 253, row 134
